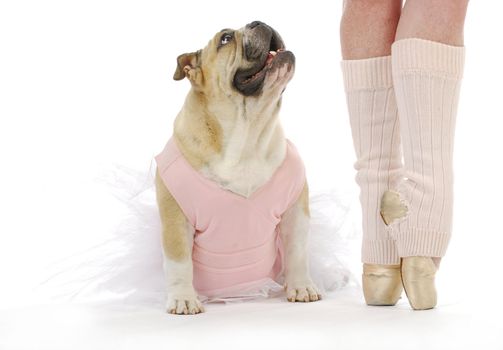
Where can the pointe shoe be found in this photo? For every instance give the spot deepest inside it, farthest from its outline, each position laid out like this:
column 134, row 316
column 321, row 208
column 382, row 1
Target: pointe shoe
column 382, row 284
column 418, row 278
column 392, row 207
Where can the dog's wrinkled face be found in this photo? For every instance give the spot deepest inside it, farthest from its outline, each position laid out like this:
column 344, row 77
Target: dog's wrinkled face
column 248, row 62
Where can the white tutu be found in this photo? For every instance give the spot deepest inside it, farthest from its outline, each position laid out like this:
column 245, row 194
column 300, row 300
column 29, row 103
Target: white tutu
column 127, row 267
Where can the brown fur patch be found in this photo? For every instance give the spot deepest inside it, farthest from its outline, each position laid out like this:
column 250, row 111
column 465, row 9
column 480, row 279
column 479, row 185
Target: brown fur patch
column 197, row 133
column 304, row 199
column 215, row 67
column 199, row 150
column 174, row 224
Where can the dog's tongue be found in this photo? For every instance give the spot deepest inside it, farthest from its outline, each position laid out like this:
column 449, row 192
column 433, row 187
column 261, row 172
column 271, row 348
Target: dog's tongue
column 270, row 56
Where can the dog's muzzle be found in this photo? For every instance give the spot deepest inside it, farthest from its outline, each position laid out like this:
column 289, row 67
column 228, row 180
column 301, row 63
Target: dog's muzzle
column 265, row 50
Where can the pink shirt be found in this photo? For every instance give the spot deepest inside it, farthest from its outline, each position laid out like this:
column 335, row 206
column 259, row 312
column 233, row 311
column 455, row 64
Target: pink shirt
column 237, row 244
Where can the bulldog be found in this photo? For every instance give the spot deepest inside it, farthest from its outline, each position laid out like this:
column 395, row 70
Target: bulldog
column 231, row 189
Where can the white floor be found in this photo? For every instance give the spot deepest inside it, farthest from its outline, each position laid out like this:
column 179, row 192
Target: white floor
column 340, row 321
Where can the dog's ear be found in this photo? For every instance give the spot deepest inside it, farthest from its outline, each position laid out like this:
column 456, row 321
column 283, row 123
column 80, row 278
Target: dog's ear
column 188, row 65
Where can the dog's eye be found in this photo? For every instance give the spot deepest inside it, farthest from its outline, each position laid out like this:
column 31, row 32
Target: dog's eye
column 225, row 39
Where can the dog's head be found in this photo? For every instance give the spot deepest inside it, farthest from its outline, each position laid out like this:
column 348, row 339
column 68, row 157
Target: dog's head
column 249, row 62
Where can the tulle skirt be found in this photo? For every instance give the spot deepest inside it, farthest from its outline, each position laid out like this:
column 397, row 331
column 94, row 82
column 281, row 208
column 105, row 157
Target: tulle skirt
column 127, row 266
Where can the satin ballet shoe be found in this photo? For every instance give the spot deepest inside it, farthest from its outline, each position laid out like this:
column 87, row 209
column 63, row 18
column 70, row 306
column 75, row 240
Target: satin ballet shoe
column 418, row 278
column 382, row 284
column 392, row 207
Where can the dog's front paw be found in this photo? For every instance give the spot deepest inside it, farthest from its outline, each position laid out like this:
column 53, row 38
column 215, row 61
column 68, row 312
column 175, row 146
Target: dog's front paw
column 302, row 291
column 184, row 305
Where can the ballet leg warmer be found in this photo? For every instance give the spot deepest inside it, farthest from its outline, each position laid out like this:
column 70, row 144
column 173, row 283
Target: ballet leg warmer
column 426, row 78
column 376, row 136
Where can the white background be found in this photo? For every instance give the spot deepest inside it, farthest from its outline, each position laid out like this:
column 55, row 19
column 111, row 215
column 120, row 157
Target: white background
column 87, row 84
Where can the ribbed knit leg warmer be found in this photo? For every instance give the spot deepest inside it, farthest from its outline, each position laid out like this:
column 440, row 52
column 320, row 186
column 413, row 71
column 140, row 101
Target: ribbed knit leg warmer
column 374, row 124
column 426, row 78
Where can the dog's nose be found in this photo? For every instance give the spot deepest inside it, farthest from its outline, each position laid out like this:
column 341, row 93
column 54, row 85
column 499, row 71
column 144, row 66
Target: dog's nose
column 255, row 24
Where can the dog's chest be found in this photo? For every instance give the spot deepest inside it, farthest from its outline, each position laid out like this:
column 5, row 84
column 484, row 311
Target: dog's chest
column 245, row 177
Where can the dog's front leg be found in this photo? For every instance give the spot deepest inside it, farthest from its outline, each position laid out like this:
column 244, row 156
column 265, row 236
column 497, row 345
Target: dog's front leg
column 294, row 228
column 177, row 240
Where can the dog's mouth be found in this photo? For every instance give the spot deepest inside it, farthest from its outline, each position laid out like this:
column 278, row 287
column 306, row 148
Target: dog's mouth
column 250, row 81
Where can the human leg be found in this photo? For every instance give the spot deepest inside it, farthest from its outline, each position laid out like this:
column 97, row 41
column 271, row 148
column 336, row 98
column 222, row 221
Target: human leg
column 435, row 20
column 368, row 28
column 427, row 68
column 367, row 31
